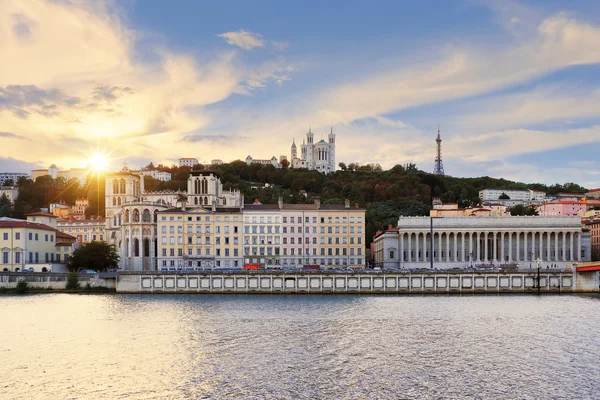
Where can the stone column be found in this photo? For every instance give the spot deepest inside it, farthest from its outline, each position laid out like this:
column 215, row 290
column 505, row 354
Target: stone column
column 564, row 246
column 556, row 257
column 448, row 258
column 578, row 246
column 440, row 247
column 485, row 247
column 454, row 250
column 518, row 246
column 548, row 247
column 526, row 254
column 502, row 246
column 425, row 247
column 510, row 235
column 462, row 247
column 408, row 248
column 471, row 258
column 478, row 255
column 571, row 253
column 495, row 247
column 541, row 255
column 401, row 247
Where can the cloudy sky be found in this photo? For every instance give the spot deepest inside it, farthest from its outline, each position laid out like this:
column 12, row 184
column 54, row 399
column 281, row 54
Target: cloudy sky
column 515, row 86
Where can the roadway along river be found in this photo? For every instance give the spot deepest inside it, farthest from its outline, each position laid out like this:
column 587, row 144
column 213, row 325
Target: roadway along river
column 60, row 346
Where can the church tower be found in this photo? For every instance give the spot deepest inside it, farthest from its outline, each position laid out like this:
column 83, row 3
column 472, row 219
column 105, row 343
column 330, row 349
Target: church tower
column 294, row 150
column 332, row 150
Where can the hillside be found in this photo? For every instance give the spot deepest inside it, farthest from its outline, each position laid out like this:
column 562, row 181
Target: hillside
column 402, row 190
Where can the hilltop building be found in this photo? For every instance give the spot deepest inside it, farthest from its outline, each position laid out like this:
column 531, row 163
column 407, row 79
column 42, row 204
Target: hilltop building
column 188, row 162
column 515, row 197
column 272, row 161
column 53, row 171
column 318, row 156
column 14, row 176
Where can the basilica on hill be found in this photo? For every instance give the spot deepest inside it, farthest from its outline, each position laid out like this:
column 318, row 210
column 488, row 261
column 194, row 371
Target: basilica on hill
column 318, row 156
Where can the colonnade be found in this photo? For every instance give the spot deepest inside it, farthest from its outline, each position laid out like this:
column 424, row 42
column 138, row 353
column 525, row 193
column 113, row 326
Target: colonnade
column 490, row 247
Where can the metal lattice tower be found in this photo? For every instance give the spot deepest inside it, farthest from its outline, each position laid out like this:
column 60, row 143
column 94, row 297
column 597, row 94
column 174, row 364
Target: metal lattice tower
column 438, row 168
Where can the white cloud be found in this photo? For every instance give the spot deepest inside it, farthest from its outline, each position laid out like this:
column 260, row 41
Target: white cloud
column 74, row 80
column 243, row 39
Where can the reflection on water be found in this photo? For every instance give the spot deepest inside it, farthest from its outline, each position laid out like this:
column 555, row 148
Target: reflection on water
column 333, row 347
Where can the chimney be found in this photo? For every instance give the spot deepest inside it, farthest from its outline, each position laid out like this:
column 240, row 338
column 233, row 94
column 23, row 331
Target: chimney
column 318, row 203
column 280, row 202
column 346, row 203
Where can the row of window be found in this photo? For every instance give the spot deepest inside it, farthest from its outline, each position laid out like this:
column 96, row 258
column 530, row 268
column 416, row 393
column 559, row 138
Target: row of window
column 34, row 257
column 190, row 252
column 200, row 264
column 226, row 240
column 199, row 218
column 31, row 236
column 198, row 230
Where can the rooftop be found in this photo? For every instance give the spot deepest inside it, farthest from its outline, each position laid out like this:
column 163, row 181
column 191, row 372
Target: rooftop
column 41, row 214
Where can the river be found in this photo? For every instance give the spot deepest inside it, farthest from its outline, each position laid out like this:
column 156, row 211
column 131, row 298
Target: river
column 68, row 346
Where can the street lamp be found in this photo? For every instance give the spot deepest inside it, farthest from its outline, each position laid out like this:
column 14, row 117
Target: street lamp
column 431, row 241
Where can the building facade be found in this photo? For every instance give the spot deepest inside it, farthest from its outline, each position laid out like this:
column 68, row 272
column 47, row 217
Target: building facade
column 198, row 237
column 33, row 245
column 464, row 241
column 318, row 156
column 85, row 230
column 13, row 176
column 563, row 207
column 156, row 174
column 594, row 227
column 515, row 196
column 11, row 192
column 188, row 162
column 273, row 161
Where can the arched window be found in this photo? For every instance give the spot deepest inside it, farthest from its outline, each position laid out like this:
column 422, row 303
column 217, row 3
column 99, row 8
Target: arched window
column 205, row 200
column 146, row 217
column 196, row 191
column 155, row 216
column 126, row 216
column 146, row 248
column 122, row 186
column 127, row 247
column 114, row 220
column 115, row 187
column 119, row 201
column 136, row 215
column 136, row 247
column 119, row 220
column 114, row 201
column 195, row 200
column 44, row 269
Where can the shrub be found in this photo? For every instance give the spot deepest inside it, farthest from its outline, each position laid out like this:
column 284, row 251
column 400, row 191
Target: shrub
column 72, row 281
column 22, row 286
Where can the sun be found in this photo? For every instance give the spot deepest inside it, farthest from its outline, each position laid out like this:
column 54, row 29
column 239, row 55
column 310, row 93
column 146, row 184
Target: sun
column 98, row 161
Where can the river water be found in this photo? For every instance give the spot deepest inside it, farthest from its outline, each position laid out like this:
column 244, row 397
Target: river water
column 64, row 346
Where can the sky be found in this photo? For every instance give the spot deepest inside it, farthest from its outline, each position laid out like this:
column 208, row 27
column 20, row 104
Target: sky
column 513, row 85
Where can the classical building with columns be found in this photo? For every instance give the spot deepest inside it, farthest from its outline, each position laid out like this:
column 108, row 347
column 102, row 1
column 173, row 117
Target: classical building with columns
column 464, row 241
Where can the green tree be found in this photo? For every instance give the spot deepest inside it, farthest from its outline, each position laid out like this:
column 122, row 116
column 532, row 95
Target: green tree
column 72, row 281
column 98, row 256
column 6, row 206
column 8, row 182
column 520, row 209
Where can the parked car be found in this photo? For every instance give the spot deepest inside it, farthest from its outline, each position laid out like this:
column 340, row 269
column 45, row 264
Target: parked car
column 87, row 271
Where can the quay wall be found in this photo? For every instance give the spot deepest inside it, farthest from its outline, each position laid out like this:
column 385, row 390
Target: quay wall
column 367, row 283
column 51, row 280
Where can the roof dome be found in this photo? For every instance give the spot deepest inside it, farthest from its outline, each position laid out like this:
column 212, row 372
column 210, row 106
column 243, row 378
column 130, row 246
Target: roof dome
column 53, row 166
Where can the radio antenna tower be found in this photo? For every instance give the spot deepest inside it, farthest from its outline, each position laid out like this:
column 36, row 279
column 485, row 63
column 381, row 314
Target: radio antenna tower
column 438, row 168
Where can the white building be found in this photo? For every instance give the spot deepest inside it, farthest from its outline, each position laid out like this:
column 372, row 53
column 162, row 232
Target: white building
column 156, row 174
column 319, row 156
column 188, row 162
column 272, row 161
column 11, row 192
column 515, row 196
column 14, row 176
column 216, row 162
column 464, row 241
